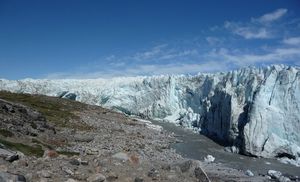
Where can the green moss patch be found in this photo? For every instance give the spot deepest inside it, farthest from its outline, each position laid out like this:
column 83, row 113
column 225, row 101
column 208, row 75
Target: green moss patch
column 6, row 133
column 57, row 111
column 42, row 143
column 26, row 149
column 68, row 153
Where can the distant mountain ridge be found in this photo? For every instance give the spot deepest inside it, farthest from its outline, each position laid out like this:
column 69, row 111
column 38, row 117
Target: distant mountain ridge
column 255, row 109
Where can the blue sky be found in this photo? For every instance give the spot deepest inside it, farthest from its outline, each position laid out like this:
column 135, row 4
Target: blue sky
column 107, row 38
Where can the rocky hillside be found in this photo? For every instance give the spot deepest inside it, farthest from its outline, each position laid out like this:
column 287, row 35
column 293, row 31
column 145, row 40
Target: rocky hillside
column 255, row 110
column 50, row 139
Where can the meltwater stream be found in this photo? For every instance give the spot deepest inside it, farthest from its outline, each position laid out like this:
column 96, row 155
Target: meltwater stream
column 196, row 146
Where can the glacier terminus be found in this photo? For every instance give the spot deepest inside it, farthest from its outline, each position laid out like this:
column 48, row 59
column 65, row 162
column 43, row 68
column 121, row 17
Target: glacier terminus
column 256, row 111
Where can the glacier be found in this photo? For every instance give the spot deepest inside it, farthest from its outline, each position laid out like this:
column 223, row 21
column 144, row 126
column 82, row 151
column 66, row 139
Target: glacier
column 255, row 110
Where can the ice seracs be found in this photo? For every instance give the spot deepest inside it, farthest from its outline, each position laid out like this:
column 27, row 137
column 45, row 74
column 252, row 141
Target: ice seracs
column 254, row 109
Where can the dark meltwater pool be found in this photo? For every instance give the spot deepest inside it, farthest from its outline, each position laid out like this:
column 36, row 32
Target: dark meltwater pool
column 197, row 146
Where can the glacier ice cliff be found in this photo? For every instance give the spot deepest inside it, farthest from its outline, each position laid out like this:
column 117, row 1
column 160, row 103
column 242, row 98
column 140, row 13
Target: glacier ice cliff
column 254, row 109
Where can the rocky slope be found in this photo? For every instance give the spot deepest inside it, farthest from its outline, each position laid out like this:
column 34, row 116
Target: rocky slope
column 253, row 109
column 89, row 143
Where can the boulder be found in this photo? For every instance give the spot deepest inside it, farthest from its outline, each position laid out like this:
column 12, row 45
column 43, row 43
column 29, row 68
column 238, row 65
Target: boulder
column 75, row 162
column 284, row 179
column 274, row 174
column 209, row 158
column 5, row 176
column 249, row 173
column 137, row 179
column 8, row 155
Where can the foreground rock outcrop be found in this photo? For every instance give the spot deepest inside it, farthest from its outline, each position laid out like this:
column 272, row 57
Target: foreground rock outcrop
column 20, row 120
column 254, row 109
column 89, row 143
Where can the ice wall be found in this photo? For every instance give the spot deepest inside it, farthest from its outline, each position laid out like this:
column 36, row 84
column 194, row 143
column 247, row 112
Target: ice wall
column 254, row 109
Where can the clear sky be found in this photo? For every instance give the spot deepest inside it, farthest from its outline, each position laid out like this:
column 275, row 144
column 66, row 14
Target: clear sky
column 106, row 38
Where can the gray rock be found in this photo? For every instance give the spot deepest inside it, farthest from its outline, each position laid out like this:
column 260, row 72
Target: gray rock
column 137, row 179
column 112, row 177
column 70, row 96
column 83, row 138
column 68, row 171
column 8, row 155
column 5, row 177
column 121, row 156
column 153, row 173
column 28, row 176
column 209, row 158
column 75, row 162
column 172, row 177
column 71, row 180
column 166, row 167
column 12, row 158
column 92, row 151
column 85, row 163
column 293, row 178
column 21, row 163
column 249, row 173
column 284, row 179
column 3, row 168
column 20, row 119
column 274, row 174
column 97, row 178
